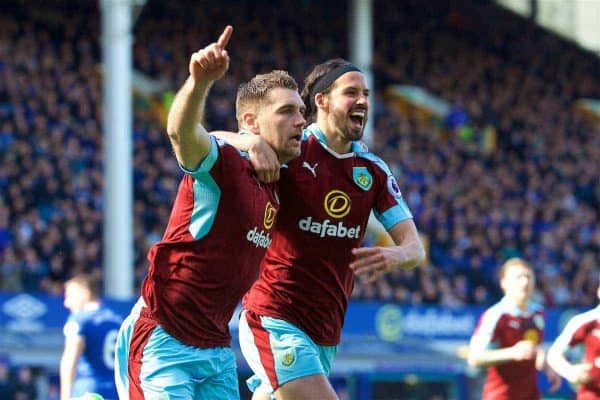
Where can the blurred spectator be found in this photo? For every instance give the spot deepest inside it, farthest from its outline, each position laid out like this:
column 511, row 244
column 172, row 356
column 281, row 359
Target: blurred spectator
column 7, row 389
column 25, row 388
column 11, row 270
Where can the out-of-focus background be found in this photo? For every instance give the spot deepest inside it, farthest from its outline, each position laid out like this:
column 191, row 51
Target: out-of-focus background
column 487, row 112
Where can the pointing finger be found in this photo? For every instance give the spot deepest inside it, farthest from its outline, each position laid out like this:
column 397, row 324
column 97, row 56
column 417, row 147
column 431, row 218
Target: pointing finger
column 225, row 36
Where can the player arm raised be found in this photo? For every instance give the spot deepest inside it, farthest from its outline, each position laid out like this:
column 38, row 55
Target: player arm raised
column 408, row 252
column 188, row 137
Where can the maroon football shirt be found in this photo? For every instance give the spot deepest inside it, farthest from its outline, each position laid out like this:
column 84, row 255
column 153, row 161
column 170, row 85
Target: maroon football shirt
column 218, row 231
column 326, row 200
column 503, row 325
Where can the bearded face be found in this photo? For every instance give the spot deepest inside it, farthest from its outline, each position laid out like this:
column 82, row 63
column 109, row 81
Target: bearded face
column 349, row 105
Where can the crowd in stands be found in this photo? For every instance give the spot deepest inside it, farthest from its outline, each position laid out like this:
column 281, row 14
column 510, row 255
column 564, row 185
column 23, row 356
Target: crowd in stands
column 533, row 193
column 22, row 383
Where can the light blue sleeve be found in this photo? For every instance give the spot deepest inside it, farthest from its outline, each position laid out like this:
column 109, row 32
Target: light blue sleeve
column 207, row 194
column 207, row 163
column 400, row 211
column 394, row 215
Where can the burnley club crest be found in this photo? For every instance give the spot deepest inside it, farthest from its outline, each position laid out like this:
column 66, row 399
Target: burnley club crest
column 362, row 177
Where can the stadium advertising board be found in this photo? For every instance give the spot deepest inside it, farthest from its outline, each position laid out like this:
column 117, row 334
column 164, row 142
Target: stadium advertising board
column 30, row 322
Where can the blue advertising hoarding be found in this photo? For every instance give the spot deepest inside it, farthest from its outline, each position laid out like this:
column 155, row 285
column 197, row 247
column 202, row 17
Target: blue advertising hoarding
column 34, row 322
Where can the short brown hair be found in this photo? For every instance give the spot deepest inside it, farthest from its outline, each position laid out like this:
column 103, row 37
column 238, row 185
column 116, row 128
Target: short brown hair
column 511, row 262
column 255, row 92
column 312, row 78
column 91, row 282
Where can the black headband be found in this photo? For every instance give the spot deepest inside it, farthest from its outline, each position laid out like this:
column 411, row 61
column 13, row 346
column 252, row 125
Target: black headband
column 327, row 80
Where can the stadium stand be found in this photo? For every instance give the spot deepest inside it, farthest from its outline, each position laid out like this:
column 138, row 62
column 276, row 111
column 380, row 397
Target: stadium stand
column 534, row 190
column 514, row 172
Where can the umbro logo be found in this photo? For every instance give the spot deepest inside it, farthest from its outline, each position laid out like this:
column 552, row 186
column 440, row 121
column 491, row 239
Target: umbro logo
column 312, row 169
column 24, row 306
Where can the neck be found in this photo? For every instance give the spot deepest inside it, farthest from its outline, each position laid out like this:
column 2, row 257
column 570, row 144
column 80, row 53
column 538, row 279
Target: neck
column 92, row 305
column 335, row 140
column 520, row 303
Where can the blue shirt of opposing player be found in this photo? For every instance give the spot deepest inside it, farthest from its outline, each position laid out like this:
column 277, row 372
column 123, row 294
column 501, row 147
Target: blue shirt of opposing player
column 87, row 363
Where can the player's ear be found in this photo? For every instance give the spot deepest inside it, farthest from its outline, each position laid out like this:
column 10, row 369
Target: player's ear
column 321, row 100
column 250, row 120
column 503, row 285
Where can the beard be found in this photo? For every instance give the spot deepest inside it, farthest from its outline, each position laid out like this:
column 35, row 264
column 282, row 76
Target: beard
column 349, row 129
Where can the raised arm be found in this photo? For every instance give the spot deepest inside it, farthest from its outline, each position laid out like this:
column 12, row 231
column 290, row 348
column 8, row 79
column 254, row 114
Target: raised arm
column 189, row 138
column 408, row 252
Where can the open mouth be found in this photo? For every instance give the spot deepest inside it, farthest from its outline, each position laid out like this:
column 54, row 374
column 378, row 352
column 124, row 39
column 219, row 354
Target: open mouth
column 358, row 117
column 296, row 139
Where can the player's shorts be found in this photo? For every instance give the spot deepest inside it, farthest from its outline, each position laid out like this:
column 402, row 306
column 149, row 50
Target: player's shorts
column 279, row 352
column 151, row 364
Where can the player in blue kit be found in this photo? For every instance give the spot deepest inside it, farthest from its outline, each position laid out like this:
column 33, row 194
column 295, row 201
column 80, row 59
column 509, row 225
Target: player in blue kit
column 175, row 343
column 87, row 363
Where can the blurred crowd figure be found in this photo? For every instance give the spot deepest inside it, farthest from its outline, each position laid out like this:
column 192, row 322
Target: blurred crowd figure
column 532, row 192
column 20, row 383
